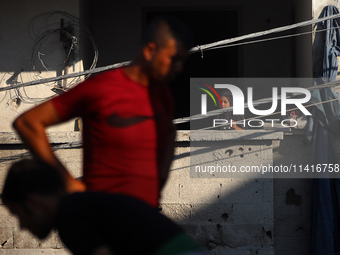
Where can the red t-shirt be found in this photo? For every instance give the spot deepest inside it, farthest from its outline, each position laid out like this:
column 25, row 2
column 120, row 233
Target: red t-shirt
column 125, row 132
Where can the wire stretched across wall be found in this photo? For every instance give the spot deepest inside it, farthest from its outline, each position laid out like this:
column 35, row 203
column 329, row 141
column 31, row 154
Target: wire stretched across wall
column 201, row 48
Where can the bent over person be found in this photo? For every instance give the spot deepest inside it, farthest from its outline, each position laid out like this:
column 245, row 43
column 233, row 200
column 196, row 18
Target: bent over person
column 128, row 135
column 89, row 223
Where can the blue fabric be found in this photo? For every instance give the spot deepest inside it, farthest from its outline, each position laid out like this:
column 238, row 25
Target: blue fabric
column 322, row 127
column 332, row 39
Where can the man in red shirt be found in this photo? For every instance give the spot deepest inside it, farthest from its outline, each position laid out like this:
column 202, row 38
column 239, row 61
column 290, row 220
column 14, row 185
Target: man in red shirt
column 128, row 136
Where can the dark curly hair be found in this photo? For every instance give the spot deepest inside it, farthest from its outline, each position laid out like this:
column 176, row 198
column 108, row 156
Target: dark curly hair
column 30, row 176
column 227, row 93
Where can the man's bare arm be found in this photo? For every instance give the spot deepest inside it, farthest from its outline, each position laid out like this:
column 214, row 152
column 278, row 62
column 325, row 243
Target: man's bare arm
column 31, row 127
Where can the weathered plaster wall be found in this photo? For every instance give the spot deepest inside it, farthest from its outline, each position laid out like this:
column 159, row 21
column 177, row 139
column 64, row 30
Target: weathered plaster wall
column 119, row 42
column 225, row 215
column 292, row 198
column 320, row 4
column 12, row 239
column 17, row 41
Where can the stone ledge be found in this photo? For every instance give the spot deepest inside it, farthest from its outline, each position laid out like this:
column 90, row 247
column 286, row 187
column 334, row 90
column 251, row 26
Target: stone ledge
column 34, row 252
column 54, row 137
column 242, row 135
column 182, row 136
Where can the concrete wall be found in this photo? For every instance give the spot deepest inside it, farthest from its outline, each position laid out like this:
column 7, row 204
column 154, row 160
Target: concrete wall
column 23, row 35
column 12, row 239
column 117, row 27
column 292, row 198
column 236, row 216
column 320, row 4
column 224, row 215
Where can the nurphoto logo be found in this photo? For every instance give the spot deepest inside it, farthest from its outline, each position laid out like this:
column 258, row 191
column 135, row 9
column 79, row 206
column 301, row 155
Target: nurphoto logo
column 238, row 106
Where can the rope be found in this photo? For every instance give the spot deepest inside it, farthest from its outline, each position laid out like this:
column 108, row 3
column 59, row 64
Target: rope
column 267, row 32
column 271, row 39
column 67, row 76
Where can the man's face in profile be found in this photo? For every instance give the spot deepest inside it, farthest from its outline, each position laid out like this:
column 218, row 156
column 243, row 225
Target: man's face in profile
column 31, row 219
column 168, row 60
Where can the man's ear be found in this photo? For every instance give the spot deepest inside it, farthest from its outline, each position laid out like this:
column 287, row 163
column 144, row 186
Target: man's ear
column 149, row 50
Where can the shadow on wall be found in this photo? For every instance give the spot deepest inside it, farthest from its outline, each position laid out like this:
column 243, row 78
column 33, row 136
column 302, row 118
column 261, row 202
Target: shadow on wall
column 239, row 215
column 236, row 216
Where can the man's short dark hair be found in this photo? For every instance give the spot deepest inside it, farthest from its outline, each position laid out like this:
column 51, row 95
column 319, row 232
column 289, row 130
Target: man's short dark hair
column 164, row 27
column 30, row 176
